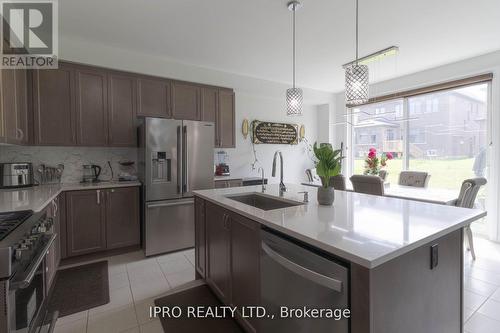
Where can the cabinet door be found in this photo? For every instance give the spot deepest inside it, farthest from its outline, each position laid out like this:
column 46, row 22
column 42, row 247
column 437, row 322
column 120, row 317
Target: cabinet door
column 209, row 103
column 226, row 119
column 122, row 217
column 122, row 106
column 200, row 238
column 245, row 265
column 53, row 106
column 14, row 106
column 154, row 98
column 217, row 233
column 185, row 101
column 85, row 222
column 91, row 107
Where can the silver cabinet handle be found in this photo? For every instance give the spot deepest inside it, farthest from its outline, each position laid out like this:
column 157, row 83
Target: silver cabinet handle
column 306, row 273
column 19, row 134
column 98, row 192
column 169, row 204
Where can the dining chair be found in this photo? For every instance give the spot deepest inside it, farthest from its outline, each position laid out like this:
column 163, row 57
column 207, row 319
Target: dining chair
column 414, row 178
column 338, row 182
column 383, row 174
column 466, row 199
column 368, row 184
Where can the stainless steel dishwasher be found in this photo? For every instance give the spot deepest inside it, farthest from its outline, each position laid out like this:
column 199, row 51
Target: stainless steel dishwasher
column 294, row 276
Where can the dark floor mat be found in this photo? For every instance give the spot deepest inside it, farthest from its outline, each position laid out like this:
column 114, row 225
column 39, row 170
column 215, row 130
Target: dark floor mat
column 196, row 296
column 80, row 288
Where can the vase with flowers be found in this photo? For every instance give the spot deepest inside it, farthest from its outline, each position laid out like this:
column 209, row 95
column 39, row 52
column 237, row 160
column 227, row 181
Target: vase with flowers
column 374, row 164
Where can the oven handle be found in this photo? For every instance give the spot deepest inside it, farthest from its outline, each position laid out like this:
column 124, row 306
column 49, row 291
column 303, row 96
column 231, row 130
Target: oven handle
column 306, row 273
column 34, row 266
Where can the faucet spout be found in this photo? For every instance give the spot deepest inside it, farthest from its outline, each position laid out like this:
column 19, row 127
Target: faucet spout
column 282, row 185
column 263, row 181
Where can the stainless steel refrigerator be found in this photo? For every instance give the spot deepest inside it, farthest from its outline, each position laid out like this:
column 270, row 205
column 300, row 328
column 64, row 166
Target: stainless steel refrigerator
column 175, row 158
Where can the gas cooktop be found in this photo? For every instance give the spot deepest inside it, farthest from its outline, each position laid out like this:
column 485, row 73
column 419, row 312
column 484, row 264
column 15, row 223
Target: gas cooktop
column 11, row 220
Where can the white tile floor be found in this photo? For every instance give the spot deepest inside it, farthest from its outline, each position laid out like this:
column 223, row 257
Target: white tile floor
column 136, row 281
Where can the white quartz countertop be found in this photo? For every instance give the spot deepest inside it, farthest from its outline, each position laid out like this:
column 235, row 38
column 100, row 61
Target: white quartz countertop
column 364, row 229
column 37, row 198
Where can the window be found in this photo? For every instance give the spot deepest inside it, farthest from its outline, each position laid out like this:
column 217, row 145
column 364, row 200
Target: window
column 444, row 133
column 378, row 126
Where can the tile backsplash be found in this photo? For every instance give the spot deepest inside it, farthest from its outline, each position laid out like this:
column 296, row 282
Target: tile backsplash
column 73, row 158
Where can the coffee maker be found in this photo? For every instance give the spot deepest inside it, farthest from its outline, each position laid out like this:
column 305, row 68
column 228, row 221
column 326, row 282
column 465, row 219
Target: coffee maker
column 91, row 173
column 222, row 168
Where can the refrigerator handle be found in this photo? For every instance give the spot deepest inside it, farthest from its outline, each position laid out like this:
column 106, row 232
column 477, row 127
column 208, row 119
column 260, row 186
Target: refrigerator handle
column 179, row 160
column 185, row 186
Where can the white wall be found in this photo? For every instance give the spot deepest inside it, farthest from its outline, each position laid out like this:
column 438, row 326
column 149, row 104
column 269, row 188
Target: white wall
column 489, row 63
column 255, row 99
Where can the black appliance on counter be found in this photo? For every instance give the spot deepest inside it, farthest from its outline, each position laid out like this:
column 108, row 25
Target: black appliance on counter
column 91, row 173
column 25, row 238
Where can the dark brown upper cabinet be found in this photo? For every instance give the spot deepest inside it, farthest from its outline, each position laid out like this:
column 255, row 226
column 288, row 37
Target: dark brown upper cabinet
column 54, row 106
column 225, row 132
column 85, row 222
column 186, row 101
column 122, row 217
column 14, row 107
column 154, row 98
column 122, row 105
column 209, row 103
column 91, row 107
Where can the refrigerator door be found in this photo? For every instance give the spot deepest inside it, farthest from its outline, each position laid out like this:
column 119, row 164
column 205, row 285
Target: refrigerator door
column 198, row 156
column 163, row 162
column 169, row 226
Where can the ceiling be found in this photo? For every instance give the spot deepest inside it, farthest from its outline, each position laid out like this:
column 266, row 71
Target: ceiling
column 253, row 38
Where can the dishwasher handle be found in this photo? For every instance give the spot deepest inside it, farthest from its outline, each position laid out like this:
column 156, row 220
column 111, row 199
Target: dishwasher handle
column 306, row 273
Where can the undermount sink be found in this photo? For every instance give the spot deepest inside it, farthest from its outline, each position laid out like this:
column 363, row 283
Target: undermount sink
column 262, row 201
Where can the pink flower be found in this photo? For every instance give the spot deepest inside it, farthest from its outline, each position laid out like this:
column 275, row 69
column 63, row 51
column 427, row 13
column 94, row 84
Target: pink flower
column 389, row 156
column 372, row 150
column 372, row 154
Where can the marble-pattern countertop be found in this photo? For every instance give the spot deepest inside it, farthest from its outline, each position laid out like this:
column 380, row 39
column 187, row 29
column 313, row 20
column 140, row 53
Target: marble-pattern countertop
column 36, row 198
column 365, row 229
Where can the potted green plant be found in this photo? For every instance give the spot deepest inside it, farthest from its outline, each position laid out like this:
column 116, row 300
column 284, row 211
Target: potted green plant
column 328, row 165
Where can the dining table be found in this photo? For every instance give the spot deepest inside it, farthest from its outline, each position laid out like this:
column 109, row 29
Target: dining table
column 424, row 194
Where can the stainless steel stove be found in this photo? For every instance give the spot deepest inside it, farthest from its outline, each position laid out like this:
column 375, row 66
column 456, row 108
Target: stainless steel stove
column 25, row 238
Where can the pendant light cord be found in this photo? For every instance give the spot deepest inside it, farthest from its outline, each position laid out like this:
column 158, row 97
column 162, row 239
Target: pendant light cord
column 357, row 32
column 293, row 43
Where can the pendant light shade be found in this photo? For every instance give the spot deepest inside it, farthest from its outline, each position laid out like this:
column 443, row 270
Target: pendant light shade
column 356, row 84
column 356, row 77
column 294, row 95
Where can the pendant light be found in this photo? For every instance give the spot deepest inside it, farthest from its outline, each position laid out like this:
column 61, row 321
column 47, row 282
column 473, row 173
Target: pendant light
column 356, row 77
column 294, row 95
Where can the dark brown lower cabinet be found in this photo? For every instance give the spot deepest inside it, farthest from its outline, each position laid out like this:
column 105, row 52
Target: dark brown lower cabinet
column 85, row 221
column 218, row 251
column 200, row 238
column 232, row 257
column 245, row 264
column 103, row 219
column 122, row 217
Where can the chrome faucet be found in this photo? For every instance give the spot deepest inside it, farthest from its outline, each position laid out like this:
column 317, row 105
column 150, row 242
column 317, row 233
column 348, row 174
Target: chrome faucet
column 263, row 185
column 282, row 185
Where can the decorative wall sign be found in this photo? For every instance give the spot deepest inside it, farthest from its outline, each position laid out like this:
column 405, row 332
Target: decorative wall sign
column 274, row 133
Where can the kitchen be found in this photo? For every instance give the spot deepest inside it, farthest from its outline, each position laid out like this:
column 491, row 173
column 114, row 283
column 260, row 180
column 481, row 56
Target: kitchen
column 129, row 171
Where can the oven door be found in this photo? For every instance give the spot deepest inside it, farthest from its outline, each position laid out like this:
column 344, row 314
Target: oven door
column 27, row 295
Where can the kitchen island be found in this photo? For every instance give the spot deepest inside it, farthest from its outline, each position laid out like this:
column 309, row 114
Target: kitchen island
column 400, row 261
